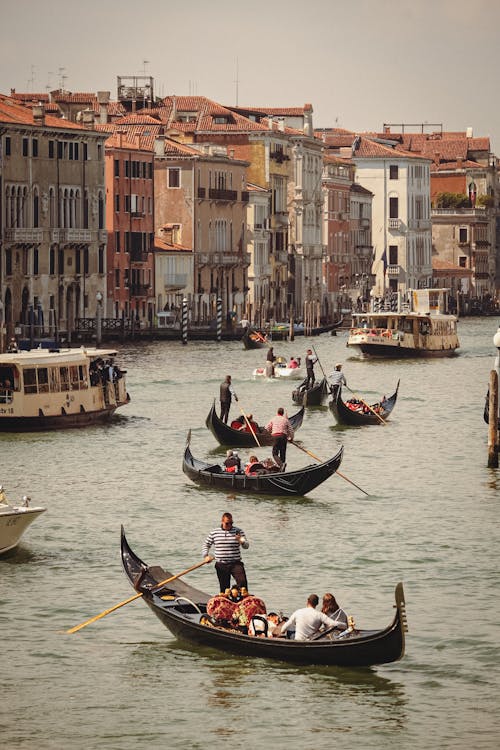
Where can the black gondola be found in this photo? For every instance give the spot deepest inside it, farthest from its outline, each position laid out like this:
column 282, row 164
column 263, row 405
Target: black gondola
column 345, row 415
column 182, row 609
column 298, row 482
column 253, row 339
column 225, row 435
column 313, row 396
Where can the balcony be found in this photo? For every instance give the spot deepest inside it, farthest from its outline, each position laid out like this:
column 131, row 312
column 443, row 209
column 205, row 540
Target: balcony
column 137, row 214
column 395, row 224
column 139, row 290
column 279, row 220
column 364, row 222
column 138, row 257
column 175, row 281
column 222, row 195
column 33, row 236
column 394, row 271
column 223, row 259
column 72, row 235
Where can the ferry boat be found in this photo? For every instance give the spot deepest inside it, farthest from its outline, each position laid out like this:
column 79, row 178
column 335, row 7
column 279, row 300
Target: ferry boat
column 419, row 327
column 45, row 390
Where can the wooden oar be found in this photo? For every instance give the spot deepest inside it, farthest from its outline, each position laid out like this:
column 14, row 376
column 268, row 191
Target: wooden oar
column 137, row 596
column 250, row 428
column 367, row 405
column 337, row 472
column 319, row 363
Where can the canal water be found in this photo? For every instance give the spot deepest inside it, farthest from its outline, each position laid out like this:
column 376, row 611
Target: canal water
column 430, row 519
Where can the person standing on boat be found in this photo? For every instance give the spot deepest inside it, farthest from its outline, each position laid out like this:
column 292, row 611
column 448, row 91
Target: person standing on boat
column 337, row 380
column 226, row 541
column 281, row 429
column 310, row 362
column 308, row 620
column 270, row 360
column 226, row 395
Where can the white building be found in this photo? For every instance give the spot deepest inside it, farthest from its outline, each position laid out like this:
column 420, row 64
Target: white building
column 401, row 214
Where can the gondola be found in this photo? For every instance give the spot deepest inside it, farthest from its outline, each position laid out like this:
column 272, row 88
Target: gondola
column 314, row 396
column 182, row 609
column 298, row 482
column 254, row 339
column 225, row 435
column 345, row 415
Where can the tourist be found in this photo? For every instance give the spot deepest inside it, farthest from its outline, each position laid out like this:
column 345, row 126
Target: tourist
column 294, row 363
column 331, row 609
column 226, row 541
column 232, row 463
column 308, row 620
column 254, row 467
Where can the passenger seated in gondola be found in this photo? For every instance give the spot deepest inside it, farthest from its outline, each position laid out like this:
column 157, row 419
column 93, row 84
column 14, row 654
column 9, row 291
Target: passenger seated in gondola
column 232, row 463
column 254, row 467
column 238, row 423
column 353, row 404
column 264, row 626
column 249, row 425
column 294, row 363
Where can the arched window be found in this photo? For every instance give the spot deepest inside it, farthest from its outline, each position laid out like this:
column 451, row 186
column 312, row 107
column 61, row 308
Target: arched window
column 52, row 261
column 86, row 209
column 101, row 210
column 24, row 208
column 52, row 207
column 35, row 261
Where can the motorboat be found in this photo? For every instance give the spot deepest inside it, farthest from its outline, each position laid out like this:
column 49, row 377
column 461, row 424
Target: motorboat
column 14, row 520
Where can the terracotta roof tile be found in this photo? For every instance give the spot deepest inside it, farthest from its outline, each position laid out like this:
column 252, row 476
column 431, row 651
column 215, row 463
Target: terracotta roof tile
column 163, row 246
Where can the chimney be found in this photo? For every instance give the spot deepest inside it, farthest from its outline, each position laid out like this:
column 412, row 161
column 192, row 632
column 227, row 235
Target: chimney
column 38, row 114
column 270, row 123
column 159, row 147
column 88, row 119
column 103, row 101
column 173, row 114
column 469, row 133
column 308, row 121
column 436, row 157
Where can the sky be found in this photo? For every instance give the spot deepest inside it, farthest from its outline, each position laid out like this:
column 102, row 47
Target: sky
column 360, row 64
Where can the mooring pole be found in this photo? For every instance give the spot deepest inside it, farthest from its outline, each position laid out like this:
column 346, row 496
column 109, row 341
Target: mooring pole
column 219, row 319
column 493, row 422
column 184, row 321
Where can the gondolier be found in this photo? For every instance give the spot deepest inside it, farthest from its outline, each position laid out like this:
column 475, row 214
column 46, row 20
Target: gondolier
column 226, row 394
column 226, row 541
column 310, row 362
column 337, row 380
column 282, row 431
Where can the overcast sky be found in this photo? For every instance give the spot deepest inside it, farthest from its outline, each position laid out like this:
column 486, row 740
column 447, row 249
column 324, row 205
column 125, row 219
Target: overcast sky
column 359, row 63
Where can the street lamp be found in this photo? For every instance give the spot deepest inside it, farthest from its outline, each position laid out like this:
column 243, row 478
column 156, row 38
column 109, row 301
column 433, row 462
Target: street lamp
column 98, row 318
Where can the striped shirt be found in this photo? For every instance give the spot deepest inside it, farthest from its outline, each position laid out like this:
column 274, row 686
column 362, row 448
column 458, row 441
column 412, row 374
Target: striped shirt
column 226, row 546
column 279, row 425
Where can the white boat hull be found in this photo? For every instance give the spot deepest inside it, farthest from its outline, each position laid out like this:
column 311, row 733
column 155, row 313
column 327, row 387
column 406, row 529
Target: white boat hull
column 291, row 373
column 13, row 523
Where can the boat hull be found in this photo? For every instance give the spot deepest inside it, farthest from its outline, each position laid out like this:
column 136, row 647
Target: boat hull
column 13, row 523
column 56, row 422
column 182, row 610
column 344, row 415
column 225, row 435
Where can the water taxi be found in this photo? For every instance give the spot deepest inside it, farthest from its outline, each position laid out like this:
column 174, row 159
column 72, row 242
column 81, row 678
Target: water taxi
column 420, row 327
column 52, row 389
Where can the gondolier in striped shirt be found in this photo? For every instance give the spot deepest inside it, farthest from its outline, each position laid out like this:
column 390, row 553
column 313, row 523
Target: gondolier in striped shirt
column 226, row 541
column 281, row 429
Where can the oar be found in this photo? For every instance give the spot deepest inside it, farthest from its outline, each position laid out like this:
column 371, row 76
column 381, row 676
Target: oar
column 337, row 472
column 319, row 362
column 137, row 596
column 250, row 427
column 367, row 405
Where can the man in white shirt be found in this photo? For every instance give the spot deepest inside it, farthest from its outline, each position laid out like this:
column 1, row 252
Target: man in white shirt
column 337, row 380
column 308, row 621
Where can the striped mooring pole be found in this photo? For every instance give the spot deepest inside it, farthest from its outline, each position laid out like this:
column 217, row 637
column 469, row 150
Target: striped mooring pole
column 219, row 319
column 184, row 321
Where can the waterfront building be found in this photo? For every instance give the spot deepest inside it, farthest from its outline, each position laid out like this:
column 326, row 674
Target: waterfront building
column 52, row 225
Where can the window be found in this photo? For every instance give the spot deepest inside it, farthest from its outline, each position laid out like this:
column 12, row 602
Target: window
column 462, row 235
column 100, row 260
column 393, row 255
column 117, row 168
column 174, row 177
column 51, row 149
column 52, row 261
column 393, row 172
column 8, row 261
column 462, row 261
column 25, row 146
column 34, row 147
column 78, row 263
column 99, row 151
column 117, row 278
column 7, row 145
column 86, row 260
column 394, row 208
column 117, row 242
column 60, row 261
column 117, row 203
column 35, row 262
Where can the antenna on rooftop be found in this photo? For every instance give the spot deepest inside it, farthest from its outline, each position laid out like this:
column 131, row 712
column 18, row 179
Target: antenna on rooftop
column 237, row 81
column 62, row 78
column 31, row 81
column 48, row 86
